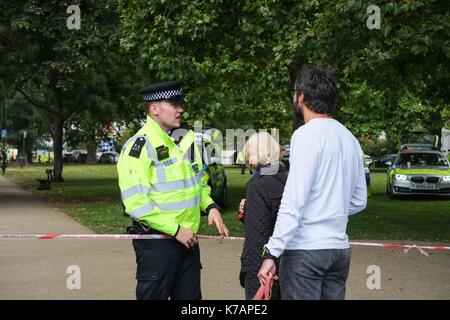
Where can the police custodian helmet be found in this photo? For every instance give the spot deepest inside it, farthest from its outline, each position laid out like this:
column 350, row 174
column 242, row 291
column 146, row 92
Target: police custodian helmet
column 170, row 90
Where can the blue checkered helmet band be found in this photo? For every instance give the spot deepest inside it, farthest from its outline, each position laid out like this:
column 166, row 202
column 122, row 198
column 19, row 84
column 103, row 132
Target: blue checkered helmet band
column 162, row 95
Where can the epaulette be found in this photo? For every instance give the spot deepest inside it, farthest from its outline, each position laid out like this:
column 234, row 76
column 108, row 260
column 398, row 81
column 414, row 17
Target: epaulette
column 137, row 147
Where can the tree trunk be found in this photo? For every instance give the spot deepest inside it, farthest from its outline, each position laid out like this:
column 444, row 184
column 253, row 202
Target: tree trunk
column 29, row 148
column 91, row 148
column 58, row 143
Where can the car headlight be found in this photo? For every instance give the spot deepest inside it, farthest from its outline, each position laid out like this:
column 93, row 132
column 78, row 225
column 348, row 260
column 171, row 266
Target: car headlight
column 401, row 177
column 446, row 179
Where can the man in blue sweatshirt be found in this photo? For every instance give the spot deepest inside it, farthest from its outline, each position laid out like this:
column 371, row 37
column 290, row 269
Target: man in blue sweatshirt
column 326, row 184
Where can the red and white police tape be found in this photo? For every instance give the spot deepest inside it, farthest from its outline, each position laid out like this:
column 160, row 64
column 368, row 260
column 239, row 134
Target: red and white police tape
column 50, row 236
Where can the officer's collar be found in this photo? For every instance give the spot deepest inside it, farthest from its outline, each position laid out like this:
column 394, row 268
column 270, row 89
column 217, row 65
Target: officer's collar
column 154, row 126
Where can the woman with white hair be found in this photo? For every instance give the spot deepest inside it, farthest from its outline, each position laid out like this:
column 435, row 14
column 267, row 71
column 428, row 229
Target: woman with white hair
column 264, row 193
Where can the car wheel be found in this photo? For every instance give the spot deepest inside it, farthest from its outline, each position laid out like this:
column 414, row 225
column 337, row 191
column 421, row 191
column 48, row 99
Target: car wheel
column 225, row 194
column 222, row 201
column 390, row 193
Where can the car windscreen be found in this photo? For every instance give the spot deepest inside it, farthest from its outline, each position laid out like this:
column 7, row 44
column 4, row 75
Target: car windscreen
column 421, row 159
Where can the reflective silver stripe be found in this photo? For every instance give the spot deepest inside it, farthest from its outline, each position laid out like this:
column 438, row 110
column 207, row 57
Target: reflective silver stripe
column 175, row 185
column 161, row 173
column 139, row 212
column 180, row 205
column 139, row 188
column 160, row 169
column 151, row 151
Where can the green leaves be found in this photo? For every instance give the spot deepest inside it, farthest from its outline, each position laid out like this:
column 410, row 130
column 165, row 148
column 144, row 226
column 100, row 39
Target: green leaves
column 231, row 54
column 238, row 58
column 64, row 72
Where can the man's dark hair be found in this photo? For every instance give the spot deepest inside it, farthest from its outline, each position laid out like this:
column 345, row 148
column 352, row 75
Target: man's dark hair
column 319, row 89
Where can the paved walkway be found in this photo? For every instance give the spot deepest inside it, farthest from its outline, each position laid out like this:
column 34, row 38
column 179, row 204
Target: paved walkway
column 37, row 269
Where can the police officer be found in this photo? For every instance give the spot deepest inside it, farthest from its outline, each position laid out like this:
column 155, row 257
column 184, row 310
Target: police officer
column 240, row 161
column 163, row 189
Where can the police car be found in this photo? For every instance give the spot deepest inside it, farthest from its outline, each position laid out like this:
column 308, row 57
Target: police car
column 419, row 169
column 214, row 170
column 217, row 180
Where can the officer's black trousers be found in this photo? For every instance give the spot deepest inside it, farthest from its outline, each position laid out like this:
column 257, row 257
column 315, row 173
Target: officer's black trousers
column 166, row 269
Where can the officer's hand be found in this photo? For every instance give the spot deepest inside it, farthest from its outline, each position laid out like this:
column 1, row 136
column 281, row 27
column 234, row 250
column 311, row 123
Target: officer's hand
column 215, row 217
column 187, row 237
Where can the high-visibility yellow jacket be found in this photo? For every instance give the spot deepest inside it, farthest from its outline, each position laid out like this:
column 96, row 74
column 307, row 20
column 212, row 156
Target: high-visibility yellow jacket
column 162, row 184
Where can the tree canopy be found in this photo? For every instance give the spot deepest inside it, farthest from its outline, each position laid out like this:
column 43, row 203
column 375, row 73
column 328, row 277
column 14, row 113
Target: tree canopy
column 239, row 57
column 63, row 71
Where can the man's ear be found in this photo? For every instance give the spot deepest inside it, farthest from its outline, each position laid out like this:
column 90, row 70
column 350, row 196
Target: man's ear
column 301, row 99
column 301, row 102
column 154, row 108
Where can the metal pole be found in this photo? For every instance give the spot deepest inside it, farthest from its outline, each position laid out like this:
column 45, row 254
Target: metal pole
column 4, row 139
column 23, row 148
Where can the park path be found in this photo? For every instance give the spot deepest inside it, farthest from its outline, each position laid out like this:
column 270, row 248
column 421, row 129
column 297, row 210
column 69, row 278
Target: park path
column 37, row 269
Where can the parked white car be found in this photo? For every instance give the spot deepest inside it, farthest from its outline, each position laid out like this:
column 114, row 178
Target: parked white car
column 109, row 157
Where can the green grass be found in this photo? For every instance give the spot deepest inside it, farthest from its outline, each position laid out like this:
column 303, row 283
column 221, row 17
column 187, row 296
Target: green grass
column 426, row 219
column 90, row 195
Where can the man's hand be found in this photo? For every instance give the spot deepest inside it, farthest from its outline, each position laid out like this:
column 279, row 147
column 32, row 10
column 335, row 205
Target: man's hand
column 215, row 217
column 187, row 237
column 268, row 267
